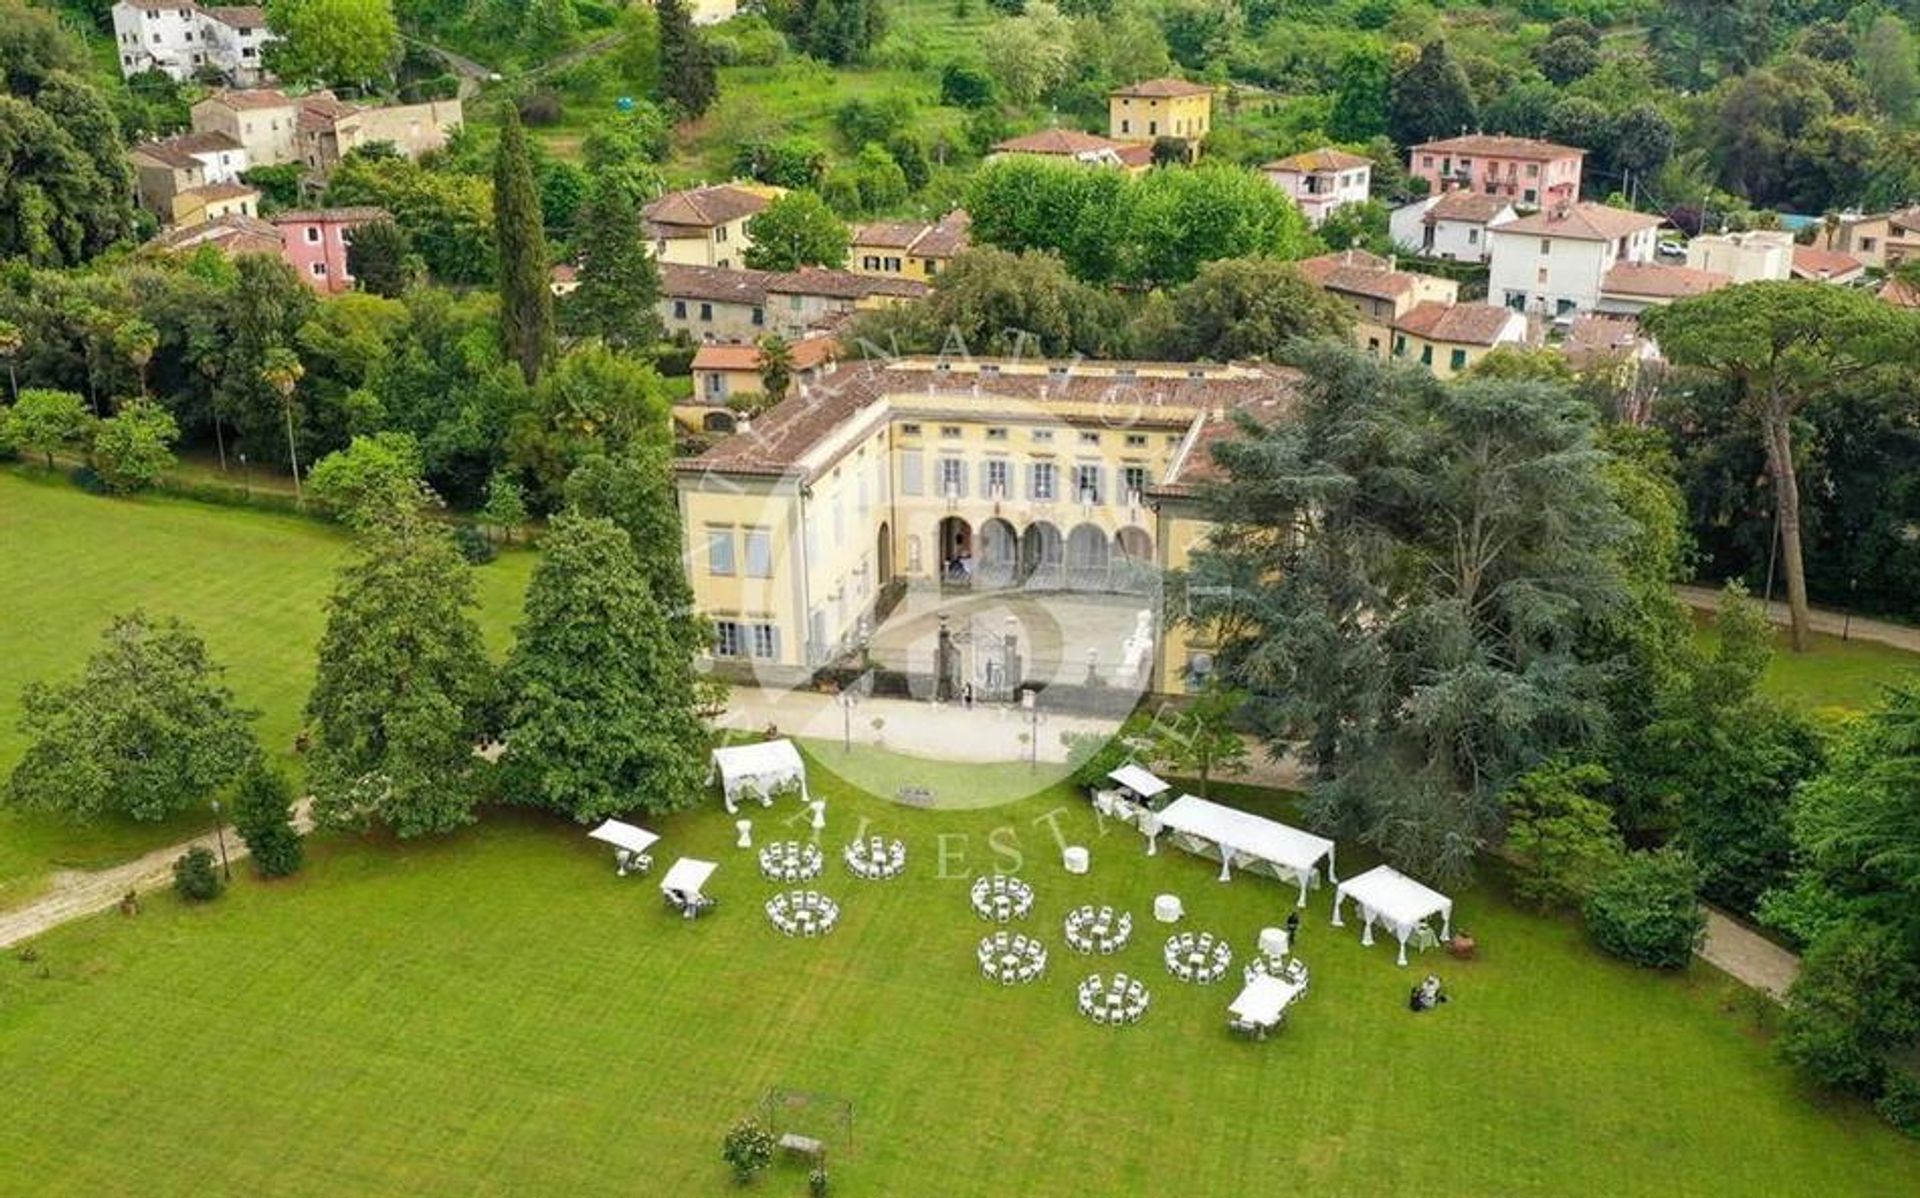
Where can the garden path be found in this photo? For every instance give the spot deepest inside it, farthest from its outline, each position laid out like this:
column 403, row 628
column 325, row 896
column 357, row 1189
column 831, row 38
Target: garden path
column 76, row 894
column 1820, row 619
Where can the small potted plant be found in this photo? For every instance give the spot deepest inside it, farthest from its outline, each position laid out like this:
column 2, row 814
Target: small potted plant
column 1463, row 945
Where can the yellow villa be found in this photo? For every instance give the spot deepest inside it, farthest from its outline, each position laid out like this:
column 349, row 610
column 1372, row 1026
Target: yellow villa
column 916, row 250
column 1160, row 108
column 1036, row 502
column 705, row 226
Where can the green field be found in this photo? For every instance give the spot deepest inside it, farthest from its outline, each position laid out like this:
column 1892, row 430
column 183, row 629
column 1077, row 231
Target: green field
column 254, row 585
column 496, row 1013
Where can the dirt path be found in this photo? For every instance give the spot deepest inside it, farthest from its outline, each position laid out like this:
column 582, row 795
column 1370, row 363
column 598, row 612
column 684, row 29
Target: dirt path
column 1864, row 628
column 76, row 895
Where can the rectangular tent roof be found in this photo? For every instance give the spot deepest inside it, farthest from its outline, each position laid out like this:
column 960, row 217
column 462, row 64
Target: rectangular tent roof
column 1140, row 781
column 1264, row 998
column 1395, row 899
column 1248, row 834
column 763, row 764
column 688, row 875
column 624, row 836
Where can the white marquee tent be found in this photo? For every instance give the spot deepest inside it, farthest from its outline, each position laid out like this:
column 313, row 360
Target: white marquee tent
column 1140, row 782
column 757, row 769
column 1255, row 843
column 1387, row 896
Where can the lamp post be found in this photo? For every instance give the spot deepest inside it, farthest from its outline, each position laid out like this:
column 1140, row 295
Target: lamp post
column 220, row 834
column 847, row 701
column 246, row 477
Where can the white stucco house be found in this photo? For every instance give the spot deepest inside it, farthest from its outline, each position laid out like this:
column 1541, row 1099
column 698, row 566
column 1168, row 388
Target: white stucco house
column 1452, row 225
column 184, row 39
column 1751, row 257
column 1320, row 181
column 1555, row 262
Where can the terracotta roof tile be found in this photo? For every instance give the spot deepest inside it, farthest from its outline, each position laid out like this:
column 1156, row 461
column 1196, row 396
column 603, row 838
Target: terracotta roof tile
column 331, row 216
column 1328, row 159
column 1655, row 280
column 238, row 16
column 1471, row 206
column 1810, row 262
column 1584, row 222
column 702, row 207
column 1163, row 88
column 1499, row 146
column 1456, row 324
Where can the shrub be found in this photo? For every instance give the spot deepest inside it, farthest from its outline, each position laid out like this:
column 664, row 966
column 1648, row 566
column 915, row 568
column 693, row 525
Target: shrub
column 747, row 1149
column 1560, row 840
column 473, row 544
column 1899, row 1103
column 1853, row 1005
column 196, row 876
column 263, row 815
column 1648, row 910
column 817, row 1182
column 542, row 107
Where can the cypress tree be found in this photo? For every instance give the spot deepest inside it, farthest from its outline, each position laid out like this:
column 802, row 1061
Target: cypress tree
column 526, row 303
column 619, row 282
column 686, row 65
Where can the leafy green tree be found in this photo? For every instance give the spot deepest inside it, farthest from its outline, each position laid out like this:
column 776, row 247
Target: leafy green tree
column 366, row 482
column 600, row 707
column 526, row 297
column 687, row 75
column 1888, row 67
column 1394, row 577
column 1561, row 841
column 506, row 508
column 133, row 449
column 1250, row 308
column 46, row 422
column 136, row 340
column 147, row 730
column 282, row 370
column 618, row 296
column 635, row 489
column 1775, row 345
column 1202, row 739
column 263, row 815
column 795, row 230
column 1643, row 139
column 966, row 84
column 400, row 690
column 1360, row 99
column 333, row 41
column 12, row 341
column 795, row 161
column 380, row 258
column 1029, row 55
column 1646, row 912
column 1004, row 304
column 447, row 215
column 1431, row 99
column 1565, row 59
column 594, row 401
column 65, row 187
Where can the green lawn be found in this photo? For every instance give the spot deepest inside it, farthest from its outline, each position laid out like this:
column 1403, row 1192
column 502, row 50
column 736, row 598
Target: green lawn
column 1833, row 673
column 254, row 584
column 497, row 1013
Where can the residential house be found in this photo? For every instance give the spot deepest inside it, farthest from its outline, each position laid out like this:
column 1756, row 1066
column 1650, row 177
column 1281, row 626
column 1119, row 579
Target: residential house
column 705, row 226
column 1448, row 338
column 166, row 170
column 726, row 372
column 265, row 121
column 1899, row 293
column 1555, row 262
column 314, row 243
column 185, row 40
column 1531, row 173
column 232, row 235
column 1860, row 235
column 211, row 201
column 909, row 249
column 711, row 12
column 1903, row 237
column 1612, row 347
column 1379, row 293
column 1827, row 266
column 330, row 129
column 563, row 279
column 1630, row 288
column 1320, row 181
column 1451, row 225
column 716, row 305
column 1749, row 257
column 992, row 474
column 1145, row 112
column 1071, row 145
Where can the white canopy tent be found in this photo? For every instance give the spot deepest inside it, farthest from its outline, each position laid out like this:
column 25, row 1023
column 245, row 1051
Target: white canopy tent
column 685, row 877
column 1387, row 896
column 630, row 844
column 1264, row 1000
column 1139, row 782
column 1255, row 843
column 757, row 770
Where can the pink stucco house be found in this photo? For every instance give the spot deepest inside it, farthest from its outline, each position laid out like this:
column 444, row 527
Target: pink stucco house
column 314, row 243
column 1527, row 172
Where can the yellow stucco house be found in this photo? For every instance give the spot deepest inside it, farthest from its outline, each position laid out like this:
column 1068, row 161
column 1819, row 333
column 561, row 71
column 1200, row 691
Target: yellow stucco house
column 1378, row 293
column 916, row 250
column 705, row 226
column 1160, row 108
column 990, row 477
